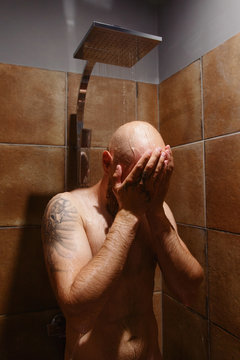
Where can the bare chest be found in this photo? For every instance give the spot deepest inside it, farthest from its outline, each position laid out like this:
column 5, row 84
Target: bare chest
column 133, row 291
column 140, row 256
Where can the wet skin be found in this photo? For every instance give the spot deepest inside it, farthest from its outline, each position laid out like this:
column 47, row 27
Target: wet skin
column 102, row 245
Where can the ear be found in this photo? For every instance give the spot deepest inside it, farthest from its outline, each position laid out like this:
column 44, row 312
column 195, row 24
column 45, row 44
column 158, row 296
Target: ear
column 107, row 161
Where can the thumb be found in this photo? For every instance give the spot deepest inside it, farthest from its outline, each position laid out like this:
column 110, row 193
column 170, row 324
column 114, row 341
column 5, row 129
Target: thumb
column 117, row 176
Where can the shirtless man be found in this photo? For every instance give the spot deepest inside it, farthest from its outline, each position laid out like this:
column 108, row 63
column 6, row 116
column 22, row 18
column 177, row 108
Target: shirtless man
column 102, row 245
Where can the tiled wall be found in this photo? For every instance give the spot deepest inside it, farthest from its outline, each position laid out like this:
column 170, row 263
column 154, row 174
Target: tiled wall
column 32, row 157
column 200, row 118
column 37, row 160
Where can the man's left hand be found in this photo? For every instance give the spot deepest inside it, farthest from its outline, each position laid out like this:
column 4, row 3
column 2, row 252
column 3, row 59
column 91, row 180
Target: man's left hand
column 156, row 176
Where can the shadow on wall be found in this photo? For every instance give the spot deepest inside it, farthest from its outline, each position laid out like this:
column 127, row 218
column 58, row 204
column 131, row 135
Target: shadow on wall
column 27, row 296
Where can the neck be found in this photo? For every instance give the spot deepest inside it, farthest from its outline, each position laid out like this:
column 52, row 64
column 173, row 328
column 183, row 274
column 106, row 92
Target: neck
column 102, row 187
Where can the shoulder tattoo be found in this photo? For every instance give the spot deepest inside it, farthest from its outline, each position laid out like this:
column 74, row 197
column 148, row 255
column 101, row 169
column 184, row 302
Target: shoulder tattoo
column 57, row 225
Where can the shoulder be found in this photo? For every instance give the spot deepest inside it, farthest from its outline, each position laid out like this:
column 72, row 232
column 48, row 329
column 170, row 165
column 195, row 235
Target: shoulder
column 60, row 204
column 61, row 212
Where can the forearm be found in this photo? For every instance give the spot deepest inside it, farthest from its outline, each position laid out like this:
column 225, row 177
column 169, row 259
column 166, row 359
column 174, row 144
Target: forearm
column 93, row 283
column 182, row 272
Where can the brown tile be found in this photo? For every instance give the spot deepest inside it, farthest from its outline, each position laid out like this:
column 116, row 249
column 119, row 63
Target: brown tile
column 30, row 175
column 157, row 308
column 32, row 108
column 224, row 274
column 158, row 279
column 195, row 240
column 180, row 106
column 221, row 82
column 223, row 345
column 147, row 103
column 184, row 332
column 222, row 183
column 72, row 95
column 25, row 337
column 186, row 193
column 109, row 104
column 23, row 278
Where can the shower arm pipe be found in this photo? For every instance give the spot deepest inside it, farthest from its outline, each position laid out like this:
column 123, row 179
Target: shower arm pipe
column 82, row 92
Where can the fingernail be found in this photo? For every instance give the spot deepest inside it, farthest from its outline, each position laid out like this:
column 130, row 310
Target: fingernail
column 163, row 154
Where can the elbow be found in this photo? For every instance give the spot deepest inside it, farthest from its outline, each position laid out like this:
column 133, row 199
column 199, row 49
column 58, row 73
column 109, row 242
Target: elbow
column 192, row 287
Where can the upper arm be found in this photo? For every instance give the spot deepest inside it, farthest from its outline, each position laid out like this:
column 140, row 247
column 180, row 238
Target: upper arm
column 66, row 246
column 169, row 215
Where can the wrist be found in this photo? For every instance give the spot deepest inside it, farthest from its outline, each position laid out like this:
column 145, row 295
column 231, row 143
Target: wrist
column 127, row 216
column 156, row 210
column 158, row 221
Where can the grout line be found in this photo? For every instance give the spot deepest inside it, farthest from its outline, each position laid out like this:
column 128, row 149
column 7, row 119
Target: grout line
column 227, row 331
column 222, row 136
column 209, row 139
column 208, row 228
column 205, row 211
column 29, row 313
column 185, row 306
column 99, row 147
column 66, row 133
column 36, row 145
column 20, row 227
column 190, row 143
column 204, row 150
column 208, row 297
column 202, row 102
column 162, row 322
column 2, row 227
column 191, row 225
column 203, row 317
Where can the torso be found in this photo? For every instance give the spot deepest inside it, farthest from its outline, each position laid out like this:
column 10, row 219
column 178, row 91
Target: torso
column 126, row 329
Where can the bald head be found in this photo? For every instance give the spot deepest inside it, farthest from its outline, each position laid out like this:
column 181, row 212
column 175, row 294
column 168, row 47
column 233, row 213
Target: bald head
column 131, row 140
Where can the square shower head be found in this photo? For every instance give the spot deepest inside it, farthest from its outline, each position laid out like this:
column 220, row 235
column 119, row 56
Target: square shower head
column 114, row 45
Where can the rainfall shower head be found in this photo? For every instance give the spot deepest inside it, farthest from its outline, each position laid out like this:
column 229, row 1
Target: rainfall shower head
column 107, row 44
column 114, row 45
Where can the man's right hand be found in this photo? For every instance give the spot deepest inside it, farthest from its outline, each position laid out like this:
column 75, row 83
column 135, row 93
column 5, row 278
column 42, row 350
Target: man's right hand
column 131, row 194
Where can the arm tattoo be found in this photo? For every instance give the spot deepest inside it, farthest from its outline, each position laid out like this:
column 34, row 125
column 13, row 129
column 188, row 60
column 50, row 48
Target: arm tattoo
column 57, row 225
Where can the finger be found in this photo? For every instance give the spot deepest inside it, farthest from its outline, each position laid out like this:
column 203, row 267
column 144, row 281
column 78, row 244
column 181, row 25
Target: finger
column 160, row 166
column 151, row 165
column 117, row 176
column 169, row 157
column 136, row 173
